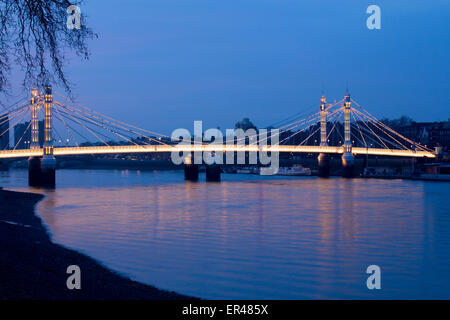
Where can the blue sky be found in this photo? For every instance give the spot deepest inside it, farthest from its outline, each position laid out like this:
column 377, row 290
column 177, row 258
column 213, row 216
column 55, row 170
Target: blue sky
column 163, row 64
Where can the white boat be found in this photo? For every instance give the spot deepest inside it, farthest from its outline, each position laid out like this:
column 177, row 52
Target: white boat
column 295, row 170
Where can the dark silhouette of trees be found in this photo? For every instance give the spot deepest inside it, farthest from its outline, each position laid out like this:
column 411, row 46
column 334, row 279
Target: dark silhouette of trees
column 396, row 123
column 245, row 124
column 34, row 38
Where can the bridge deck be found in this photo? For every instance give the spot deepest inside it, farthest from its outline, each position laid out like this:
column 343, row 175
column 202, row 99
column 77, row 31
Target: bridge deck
column 66, row 151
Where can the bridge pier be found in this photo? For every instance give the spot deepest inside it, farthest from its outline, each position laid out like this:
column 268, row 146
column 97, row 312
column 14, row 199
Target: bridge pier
column 324, row 165
column 190, row 170
column 34, row 171
column 213, row 172
column 4, row 166
column 41, row 172
column 48, row 176
column 348, row 165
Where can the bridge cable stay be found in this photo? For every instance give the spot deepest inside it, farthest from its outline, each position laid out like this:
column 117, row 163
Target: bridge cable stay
column 318, row 129
column 291, row 126
column 74, row 119
column 77, row 132
column 374, row 119
column 355, row 124
column 362, row 118
column 69, row 128
column 123, row 129
column 311, row 118
column 61, row 138
column 115, row 122
column 24, row 132
column 337, row 116
column 339, row 133
column 24, row 114
column 392, row 142
column 303, row 114
column 19, row 103
column 305, row 121
column 370, row 129
column 119, row 127
column 376, row 139
column 399, row 144
column 356, row 137
column 69, row 131
column 112, row 119
column 10, row 116
column 418, row 145
column 336, row 121
column 129, row 139
column 96, row 123
column 358, row 127
column 90, row 120
column 312, row 134
column 298, row 115
column 303, row 129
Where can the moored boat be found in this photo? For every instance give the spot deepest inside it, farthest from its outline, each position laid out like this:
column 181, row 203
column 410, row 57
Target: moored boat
column 295, row 170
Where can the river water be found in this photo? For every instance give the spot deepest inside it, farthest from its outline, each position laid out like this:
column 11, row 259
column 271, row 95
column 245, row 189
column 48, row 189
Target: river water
column 252, row 237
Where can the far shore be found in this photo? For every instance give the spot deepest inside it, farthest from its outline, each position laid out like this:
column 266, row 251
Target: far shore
column 33, row 267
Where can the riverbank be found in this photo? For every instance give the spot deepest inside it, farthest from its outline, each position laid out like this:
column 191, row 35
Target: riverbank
column 33, row 267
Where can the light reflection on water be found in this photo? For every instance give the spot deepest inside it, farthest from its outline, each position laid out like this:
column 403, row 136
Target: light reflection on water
column 255, row 237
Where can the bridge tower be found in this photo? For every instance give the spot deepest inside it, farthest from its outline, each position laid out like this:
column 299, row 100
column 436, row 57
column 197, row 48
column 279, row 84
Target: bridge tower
column 48, row 161
column 34, row 163
column 323, row 159
column 348, row 160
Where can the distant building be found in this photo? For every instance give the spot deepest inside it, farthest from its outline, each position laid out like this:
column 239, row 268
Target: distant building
column 22, row 135
column 431, row 134
column 4, row 126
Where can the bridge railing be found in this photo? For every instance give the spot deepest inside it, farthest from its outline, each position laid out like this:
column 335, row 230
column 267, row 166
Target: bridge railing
column 66, row 151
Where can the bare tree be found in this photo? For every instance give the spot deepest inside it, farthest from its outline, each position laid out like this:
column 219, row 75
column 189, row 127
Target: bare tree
column 34, row 37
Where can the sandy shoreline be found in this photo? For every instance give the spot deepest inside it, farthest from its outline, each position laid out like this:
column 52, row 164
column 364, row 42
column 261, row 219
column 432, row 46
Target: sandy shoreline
column 33, row 267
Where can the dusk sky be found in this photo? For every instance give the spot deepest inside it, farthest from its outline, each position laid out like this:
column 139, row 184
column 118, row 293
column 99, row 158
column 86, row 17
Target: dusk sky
column 163, row 64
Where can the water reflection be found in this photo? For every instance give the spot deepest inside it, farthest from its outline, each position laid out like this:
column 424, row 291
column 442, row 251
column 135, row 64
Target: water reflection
column 254, row 237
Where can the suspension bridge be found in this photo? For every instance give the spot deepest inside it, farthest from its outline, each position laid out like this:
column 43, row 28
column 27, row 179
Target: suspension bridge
column 343, row 127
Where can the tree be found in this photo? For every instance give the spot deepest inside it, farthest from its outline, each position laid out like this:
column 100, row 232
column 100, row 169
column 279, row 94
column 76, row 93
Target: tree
column 245, row 124
column 403, row 121
column 34, row 37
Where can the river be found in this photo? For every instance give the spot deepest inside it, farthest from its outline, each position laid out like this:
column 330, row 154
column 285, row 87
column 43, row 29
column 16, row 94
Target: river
column 252, row 237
